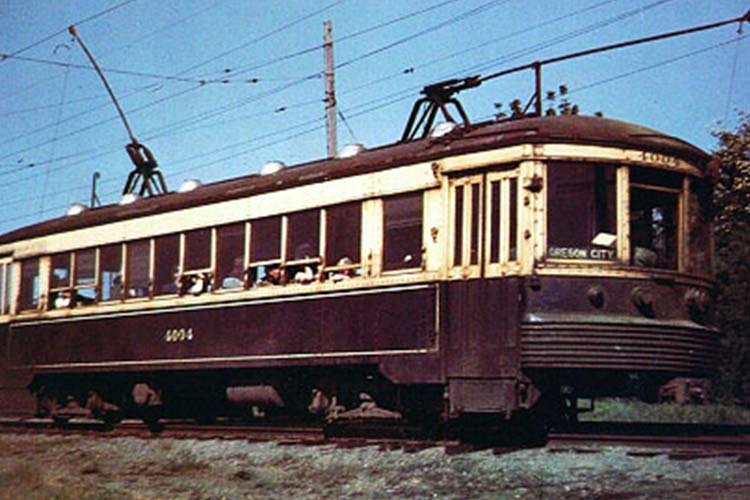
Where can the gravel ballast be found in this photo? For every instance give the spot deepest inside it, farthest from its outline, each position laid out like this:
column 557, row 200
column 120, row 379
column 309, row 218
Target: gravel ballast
column 43, row 466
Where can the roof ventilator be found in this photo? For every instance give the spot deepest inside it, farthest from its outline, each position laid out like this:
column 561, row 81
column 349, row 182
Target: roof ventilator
column 350, row 150
column 442, row 129
column 272, row 167
column 76, row 208
column 189, row 185
column 129, row 198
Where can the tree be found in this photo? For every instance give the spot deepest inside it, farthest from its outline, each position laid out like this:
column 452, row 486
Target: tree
column 732, row 237
column 563, row 107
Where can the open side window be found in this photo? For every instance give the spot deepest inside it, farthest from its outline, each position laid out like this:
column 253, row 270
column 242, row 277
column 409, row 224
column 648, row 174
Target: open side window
column 196, row 274
column 303, row 255
column 60, row 281
column 265, row 252
column 343, row 247
column 84, row 276
column 230, row 257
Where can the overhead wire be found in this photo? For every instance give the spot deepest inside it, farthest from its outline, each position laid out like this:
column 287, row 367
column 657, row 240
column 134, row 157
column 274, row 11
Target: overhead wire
column 389, row 103
column 63, row 95
column 405, row 92
column 236, row 105
column 216, row 112
column 262, row 37
column 294, row 82
column 171, row 96
column 338, row 40
column 390, row 100
column 432, row 62
column 544, row 44
column 732, row 76
column 115, row 71
column 85, row 20
column 429, row 30
column 129, row 45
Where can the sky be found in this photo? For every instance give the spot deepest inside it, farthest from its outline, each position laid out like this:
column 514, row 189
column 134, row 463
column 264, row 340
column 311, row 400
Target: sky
column 215, row 88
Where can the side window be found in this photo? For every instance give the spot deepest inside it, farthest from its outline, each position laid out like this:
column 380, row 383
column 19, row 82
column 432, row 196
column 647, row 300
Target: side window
column 265, row 251
column 84, row 280
column 166, row 264
column 343, row 241
column 230, row 256
column 402, row 232
column 303, row 246
column 198, row 250
column 30, row 293
column 581, row 211
column 654, row 208
column 110, row 272
column 60, row 294
column 197, row 275
column 138, row 268
column 5, row 280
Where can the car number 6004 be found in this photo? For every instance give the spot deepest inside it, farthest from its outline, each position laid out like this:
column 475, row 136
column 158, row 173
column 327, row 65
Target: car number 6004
column 178, row 334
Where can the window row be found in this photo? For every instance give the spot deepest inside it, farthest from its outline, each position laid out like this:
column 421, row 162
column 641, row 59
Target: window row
column 302, row 247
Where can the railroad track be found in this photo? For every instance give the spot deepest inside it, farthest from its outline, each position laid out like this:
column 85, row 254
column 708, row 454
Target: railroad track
column 679, row 441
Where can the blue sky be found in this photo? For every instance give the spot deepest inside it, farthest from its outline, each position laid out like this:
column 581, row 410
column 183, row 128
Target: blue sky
column 217, row 87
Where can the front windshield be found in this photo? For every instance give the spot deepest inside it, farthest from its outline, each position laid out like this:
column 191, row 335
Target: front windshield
column 654, row 209
column 581, row 214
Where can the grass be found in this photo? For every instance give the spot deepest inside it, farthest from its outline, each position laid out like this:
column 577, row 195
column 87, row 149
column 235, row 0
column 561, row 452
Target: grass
column 626, row 410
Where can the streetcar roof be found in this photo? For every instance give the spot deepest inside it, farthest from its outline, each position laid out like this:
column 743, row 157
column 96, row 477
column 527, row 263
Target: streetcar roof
column 570, row 129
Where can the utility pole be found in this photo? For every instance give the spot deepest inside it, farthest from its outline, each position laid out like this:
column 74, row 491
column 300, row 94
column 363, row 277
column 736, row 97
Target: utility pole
column 330, row 99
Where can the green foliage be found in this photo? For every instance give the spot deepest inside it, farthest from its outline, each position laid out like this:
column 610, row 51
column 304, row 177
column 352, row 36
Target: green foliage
column 554, row 107
column 732, row 236
column 626, row 410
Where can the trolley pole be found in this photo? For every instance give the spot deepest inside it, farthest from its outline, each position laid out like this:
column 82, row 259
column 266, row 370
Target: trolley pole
column 330, row 99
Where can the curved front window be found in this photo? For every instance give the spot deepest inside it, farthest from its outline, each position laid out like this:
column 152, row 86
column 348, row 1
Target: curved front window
column 581, row 211
column 654, row 218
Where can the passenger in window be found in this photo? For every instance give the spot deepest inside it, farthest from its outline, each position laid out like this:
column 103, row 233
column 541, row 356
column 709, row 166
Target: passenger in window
column 195, row 284
column 235, row 278
column 273, row 275
column 345, row 273
column 304, row 276
column 62, row 300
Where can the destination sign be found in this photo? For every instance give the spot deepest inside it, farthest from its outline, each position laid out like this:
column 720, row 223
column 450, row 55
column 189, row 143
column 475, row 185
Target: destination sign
column 590, row 253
